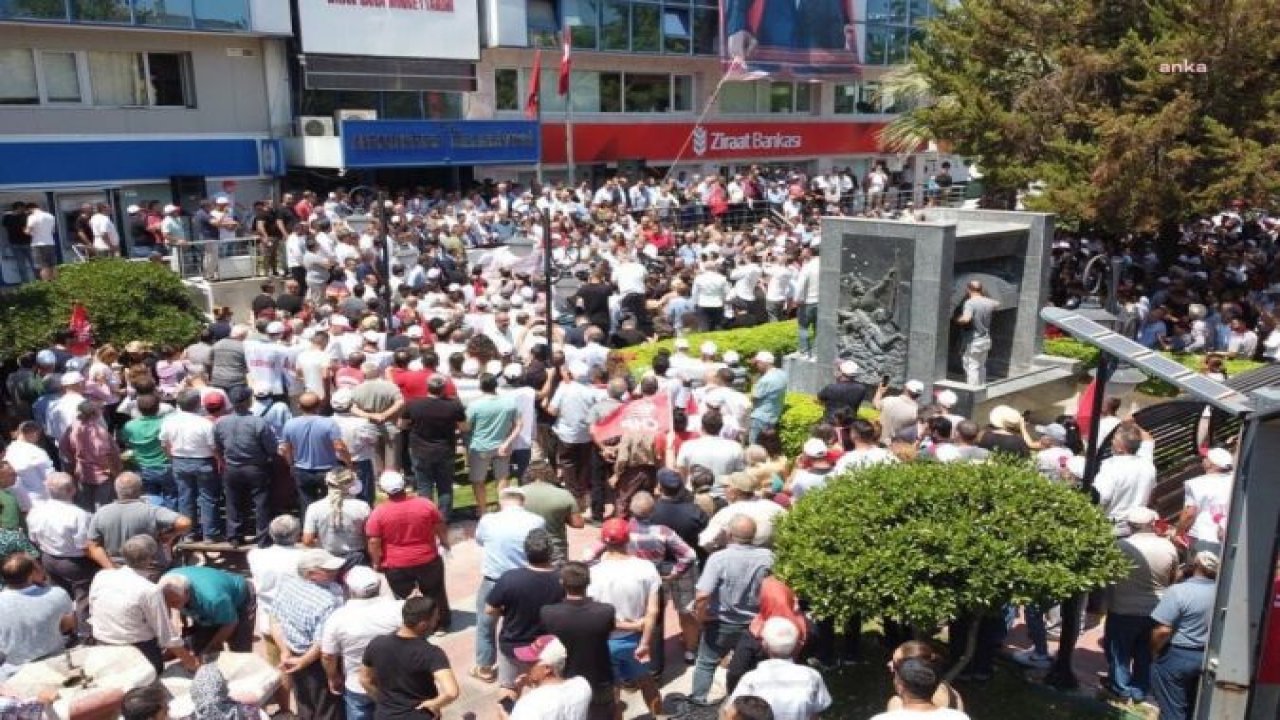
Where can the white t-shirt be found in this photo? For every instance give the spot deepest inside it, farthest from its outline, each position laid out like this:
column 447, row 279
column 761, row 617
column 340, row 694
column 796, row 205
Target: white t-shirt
column 626, row 584
column 350, row 629
column 936, row 714
column 105, row 236
column 266, row 365
column 1125, row 482
column 629, row 278
column 41, row 224
column 311, row 364
column 864, row 458
column 525, row 398
column 779, row 289
column 745, row 278
column 709, row 289
column 563, row 701
column 218, row 217
column 1211, row 497
column 295, row 247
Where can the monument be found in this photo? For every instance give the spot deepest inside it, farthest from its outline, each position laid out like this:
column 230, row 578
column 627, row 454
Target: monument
column 891, row 291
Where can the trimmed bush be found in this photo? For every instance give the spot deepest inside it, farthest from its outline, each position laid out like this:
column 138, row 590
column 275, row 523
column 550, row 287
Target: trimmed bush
column 925, row 543
column 800, row 413
column 778, row 338
column 125, row 301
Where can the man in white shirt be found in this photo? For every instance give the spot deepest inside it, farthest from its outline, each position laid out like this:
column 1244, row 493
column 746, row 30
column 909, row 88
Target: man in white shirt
column 314, row 366
column 31, row 463
column 804, row 295
column 128, row 609
column 265, row 358
column 188, row 439
column 547, row 694
column 710, row 288
column 1207, row 501
column 778, row 290
column 223, row 218
column 60, row 529
column 40, row 228
column 793, row 691
column 711, row 451
column 740, row 490
column 106, row 239
column 629, row 275
column 347, row 633
column 746, row 276
column 526, row 400
column 1125, row 480
column 631, row 585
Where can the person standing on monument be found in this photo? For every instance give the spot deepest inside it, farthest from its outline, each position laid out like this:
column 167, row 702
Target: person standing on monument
column 975, row 318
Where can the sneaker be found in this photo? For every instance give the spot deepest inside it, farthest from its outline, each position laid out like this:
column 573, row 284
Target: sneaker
column 1032, row 659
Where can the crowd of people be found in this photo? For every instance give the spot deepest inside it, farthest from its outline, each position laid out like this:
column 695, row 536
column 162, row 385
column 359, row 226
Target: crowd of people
column 320, row 434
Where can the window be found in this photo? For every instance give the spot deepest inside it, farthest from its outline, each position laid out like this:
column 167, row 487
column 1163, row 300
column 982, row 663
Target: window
column 401, row 106
column 738, row 97
column 682, row 93
column 141, row 79
column 34, row 9
column 750, row 98
column 108, row 11
column 706, row 31
column 611, row 92
column 543, row 26
column 18, row 84
column 170, row 82
column 60, row 76
column 646, row 31
column 164, row 13
column 647, row 93
column 506, row 90
column 615, row 25
column 221, row 15
column 675, row 31
column 891, row 27
column 581, row 17
column 846, row 99
column 674, row 27
column 782, row 97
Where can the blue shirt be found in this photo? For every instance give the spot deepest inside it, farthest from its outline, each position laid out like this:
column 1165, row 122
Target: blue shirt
column 216, row 595
column 491, row 418
column 1148, row 335
column 502, row 535
column 32, row 620
column 1187, row 608
column 312, row 437
column 769, row 393
column 301, row 607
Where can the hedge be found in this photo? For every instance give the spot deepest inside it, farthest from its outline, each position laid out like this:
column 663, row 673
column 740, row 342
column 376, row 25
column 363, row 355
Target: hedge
column 1088, row 356
column 778, row 338
column 125, row 301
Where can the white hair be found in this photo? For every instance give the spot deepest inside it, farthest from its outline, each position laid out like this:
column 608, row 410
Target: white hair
column 174, row 585
column 779, row 637
column 239, row 331
column 60, row 485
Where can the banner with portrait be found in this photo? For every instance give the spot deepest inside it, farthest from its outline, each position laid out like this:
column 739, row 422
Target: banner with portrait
column 788, row 38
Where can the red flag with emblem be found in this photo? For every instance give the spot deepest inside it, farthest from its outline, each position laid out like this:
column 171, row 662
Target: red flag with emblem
column 533, row 103
column 81, row 331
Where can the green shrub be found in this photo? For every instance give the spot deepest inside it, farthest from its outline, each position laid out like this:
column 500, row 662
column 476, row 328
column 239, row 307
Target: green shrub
column 778, row 338
column 800, row 413
column 1073, row 349
column 925, row 543
column 125, row 301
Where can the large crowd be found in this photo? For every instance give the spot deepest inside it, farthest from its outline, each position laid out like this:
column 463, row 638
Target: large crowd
column 320, row 435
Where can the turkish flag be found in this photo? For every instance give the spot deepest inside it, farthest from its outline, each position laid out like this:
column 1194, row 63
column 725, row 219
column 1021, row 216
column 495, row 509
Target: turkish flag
column 532, row 104
column 647, row 414
column 1084, row 409
column 565, row 62
column 81, row 331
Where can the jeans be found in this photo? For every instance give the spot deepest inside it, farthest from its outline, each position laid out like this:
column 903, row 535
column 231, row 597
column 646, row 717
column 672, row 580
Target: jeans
column 520, row 463
column 806, row 323
column 486, row 627
column 198, row 485
column 1175, row 681
column 1036, row 629
column 710, row 318
column 141, row 251
column 718, row 638
column 248, row 483
column 359, row 705
column 975, row 361
column 433, row 479
column 368, row 480
column 1127, row 644
column 311, row 486
column 158, row 482
column 758, row 426
column 23, row 259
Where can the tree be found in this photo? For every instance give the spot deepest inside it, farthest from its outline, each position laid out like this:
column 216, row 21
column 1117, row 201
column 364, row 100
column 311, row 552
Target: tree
column 1091, row 98
column 926, row 543
column 125, row 301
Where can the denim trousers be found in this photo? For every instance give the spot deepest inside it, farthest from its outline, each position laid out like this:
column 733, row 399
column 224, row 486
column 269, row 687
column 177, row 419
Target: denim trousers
column 806, row 320
column 1127, row 644
column 199, row 488
column 359, row 705
column 1175, row 680
column 158, row 483
column 368, row 481
column 248, row 486
column 486, row 627
column 433, row 479
column 718, row 638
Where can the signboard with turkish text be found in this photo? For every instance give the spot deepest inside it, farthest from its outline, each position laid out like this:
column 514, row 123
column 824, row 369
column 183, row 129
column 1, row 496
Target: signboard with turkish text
column 785, row 38
column 415, row 143
column 646, row 414
column 426, row 29
column 659, row 142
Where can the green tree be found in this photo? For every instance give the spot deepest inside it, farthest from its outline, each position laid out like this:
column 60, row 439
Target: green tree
column 1085, row 96
column 925, row 543
column 125, row 301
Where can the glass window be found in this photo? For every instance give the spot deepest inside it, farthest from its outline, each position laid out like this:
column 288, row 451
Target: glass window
column 846, row 99
column 611, row 92
column 877, row 40
column 646, row 31
column 585, row 90
column 615, row 25
column 18, row 78
column 869, row 98
column 35, row 9
column 890, row 11
column 442, row 105
column 804, row 97
column 170, row 80
column 506, row 90
column 319, row 102
column 676, row 34
column 647, row 93
column 738, row 97
column 164, row 13
column 580, row 16
column 921, row 10
column 542, row 16
column 408, row 105
column 112, row 11
column 117, row 78
column 899, row 43
column 222, row 14
column 61, row 71
column 781, row 97
column 682, row 93
column 706, row 31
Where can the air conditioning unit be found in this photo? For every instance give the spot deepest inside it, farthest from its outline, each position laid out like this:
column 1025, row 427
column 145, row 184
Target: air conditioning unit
column 353, row 114
column 315, row 126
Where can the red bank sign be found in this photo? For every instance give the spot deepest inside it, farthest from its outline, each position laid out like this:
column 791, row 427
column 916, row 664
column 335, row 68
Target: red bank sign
column 657, row 142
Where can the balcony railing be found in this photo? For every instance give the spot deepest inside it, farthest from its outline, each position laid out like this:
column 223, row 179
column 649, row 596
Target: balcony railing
column 201, row 15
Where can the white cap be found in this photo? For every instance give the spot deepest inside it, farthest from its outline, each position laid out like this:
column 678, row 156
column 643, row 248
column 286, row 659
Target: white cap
column 512, row 490
column 339, row 321
column 275, row 328
column 471, row 367
column 318, row 559
column 433, row 273
column 848, row 368
column 133, row 209
column 221, row 200
column 493, row 367
column 454, row 287
column 732, row 357
column 361, row 579
column 947, row 399
column 513, row 371
column 171, row 209
column 815, row 448
column 342, row 400
column 915, row 387
column 391, row 482
column 682, row 343
column 371, row 336
column 708, row 348
column 579, row 370
column 1218, row 457
column 1141, row 516
column 72, row 378
column 764, row 356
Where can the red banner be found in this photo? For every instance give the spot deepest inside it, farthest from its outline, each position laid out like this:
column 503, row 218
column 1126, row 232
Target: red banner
column 81, row 331
column 657, row 142
column 1269, row 660
column 647, row 414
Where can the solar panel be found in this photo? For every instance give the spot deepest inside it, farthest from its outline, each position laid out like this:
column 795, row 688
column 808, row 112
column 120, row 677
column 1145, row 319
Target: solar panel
column 1162, row 365
column 1207, row 387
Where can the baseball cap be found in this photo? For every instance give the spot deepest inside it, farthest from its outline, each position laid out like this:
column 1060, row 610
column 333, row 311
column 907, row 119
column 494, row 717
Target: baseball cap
column 471, row 367
column 275, row 328
column 214, row 401
column 915, row 387
column 221, row 200
column 371, row 337
column 72, row 378
column 339, row 321
column 361, row 579
column 615, row 531
column 1209, row 561
column 848, row 368
column 708, row 348
column 342, row 400
column 1140, row 516
column 513, row 371
column 546, row 648
column 171, row 209
column 493, row 367
column 512, row 490
column 1221, row 458
column 46, row 358
column 239, row 394
column 682, row 343
column 732, row 357
column 669, row 478
column 391, row 482
column 133, row 209
column 433, row 273
column 414, row 331
column 318, row 559
column 765, row 356
column 947, row 399
column 1054, row 431
column 815, row 448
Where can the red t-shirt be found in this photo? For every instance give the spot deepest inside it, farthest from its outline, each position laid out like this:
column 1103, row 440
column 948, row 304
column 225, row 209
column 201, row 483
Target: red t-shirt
column 407, row 527
column 412, row 383
column 348, row 378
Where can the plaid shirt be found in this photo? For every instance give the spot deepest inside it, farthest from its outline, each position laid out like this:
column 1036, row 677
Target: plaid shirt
column 301, row 607
column 15, row 709
column 658, row 544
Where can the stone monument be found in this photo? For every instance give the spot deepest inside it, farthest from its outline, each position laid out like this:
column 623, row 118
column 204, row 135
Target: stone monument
column 890, row 291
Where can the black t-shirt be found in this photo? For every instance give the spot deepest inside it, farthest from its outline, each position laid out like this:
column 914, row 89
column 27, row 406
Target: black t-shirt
column 535, row 376
column 405, row 670
column 268, row 219
column 15, row 227
column 682, row 516
column 84, row 231
column 842, row 396
column 288, row 216
column 1004, row 443
column 522, row 593
column 138, row 234
column 583, row 626
column 595, row 303
column 433, row 429
column 291, row 304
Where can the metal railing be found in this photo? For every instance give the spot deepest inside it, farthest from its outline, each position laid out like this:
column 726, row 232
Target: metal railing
column 216, row 259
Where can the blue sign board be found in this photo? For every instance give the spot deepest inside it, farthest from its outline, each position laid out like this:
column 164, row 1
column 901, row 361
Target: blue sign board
column 120, row 160
column 415, row 143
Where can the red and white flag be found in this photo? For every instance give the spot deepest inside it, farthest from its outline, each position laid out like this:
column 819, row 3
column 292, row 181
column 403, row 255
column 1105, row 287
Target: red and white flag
column 81, row 343
column 647, row 414
column 532, row 104
column 565, row 61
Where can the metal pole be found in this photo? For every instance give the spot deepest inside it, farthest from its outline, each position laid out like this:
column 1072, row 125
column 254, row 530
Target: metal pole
column 547, row 270
column 568, row 132
column 384, row 237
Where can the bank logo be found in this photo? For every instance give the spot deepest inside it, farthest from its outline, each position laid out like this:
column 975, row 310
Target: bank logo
column 699, row 141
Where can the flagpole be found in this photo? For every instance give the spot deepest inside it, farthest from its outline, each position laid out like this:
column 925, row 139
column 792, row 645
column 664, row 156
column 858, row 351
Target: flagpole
column 539, row 166
column 568, row 130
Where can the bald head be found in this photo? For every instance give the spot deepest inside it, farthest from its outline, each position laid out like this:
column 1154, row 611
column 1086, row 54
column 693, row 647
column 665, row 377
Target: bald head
column 61, row 486
column 975, row 287
column 742, row 530
column 128, row 486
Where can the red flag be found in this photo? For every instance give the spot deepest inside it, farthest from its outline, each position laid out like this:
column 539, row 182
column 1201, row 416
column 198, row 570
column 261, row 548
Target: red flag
column 647, row 414
column 82, row 332
column 565, row 62
column 1084, row 409
column 532, row 106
